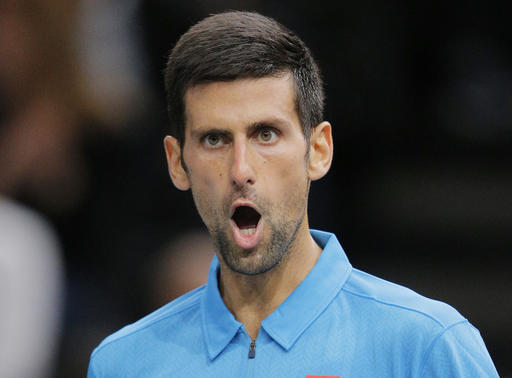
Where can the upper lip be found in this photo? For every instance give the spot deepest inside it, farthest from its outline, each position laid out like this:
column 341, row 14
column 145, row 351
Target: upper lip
column 242, row 202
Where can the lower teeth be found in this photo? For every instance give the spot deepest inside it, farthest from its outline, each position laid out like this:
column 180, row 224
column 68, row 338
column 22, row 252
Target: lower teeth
column 248, row 231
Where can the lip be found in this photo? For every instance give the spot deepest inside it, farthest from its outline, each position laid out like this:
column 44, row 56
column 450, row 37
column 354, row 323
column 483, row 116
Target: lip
column 242, row 202
column 246, row 241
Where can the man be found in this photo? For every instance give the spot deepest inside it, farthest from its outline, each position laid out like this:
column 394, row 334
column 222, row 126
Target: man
column 245, row 100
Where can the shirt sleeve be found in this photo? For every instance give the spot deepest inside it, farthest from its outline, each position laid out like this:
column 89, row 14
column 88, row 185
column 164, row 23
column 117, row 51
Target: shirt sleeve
column 459, row 351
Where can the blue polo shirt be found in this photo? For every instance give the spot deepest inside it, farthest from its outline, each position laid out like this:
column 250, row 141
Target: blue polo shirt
column 338, row 322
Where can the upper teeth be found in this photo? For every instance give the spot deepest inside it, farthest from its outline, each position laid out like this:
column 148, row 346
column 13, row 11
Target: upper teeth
column 248, row 231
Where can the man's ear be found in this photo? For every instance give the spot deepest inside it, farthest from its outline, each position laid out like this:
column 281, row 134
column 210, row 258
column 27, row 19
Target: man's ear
column 320, row 151
column 178, row 174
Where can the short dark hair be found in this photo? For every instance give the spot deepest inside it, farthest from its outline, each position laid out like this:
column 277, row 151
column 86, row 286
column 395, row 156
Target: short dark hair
column 232, row 45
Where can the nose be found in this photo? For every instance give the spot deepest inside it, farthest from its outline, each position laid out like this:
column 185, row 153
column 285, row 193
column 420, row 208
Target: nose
column 242, row 172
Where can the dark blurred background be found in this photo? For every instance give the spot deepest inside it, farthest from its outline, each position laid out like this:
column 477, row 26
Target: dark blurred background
column 420, row 191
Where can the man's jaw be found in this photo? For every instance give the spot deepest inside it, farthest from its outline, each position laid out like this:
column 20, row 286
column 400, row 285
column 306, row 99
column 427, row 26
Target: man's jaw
column 246, row 224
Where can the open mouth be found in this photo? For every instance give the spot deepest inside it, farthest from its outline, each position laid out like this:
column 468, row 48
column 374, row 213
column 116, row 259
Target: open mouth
column 246, row 219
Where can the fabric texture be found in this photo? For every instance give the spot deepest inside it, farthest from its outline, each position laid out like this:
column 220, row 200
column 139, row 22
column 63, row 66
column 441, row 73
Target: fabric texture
column 338, row 322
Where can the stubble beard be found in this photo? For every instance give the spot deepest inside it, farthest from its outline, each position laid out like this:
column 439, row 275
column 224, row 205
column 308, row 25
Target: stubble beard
column 271, row 250
column 238, row 259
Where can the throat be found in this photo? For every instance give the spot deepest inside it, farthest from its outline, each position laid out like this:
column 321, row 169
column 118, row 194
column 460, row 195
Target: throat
column 252, row 298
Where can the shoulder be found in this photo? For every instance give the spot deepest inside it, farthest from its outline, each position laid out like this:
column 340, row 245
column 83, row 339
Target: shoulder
column 430, row 334
column 385, row 296
column 169, row 316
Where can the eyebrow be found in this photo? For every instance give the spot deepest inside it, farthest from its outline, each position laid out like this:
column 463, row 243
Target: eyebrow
column 273, row 122
column 199, row 133
column 252, row 127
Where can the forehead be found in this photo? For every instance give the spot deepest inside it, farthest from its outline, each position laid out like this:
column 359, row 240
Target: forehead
column 240, row 102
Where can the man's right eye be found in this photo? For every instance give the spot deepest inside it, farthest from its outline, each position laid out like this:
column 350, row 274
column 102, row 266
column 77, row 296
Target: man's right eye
column 213, row 140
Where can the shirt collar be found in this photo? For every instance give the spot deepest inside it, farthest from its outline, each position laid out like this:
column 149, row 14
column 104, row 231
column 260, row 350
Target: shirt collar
column 313, row 294
column 219, row 324
column 286, row 323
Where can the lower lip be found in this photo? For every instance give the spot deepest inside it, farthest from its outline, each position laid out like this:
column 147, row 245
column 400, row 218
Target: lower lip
column 247, row 241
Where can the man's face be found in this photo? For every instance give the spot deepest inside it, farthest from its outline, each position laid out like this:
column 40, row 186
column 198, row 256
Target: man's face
column 246, row 161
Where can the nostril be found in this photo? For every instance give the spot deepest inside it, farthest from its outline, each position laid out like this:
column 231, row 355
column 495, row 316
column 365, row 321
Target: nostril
column 243, row 182
column 242, row 175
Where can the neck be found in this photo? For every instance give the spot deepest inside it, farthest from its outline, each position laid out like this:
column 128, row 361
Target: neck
column 252, row 298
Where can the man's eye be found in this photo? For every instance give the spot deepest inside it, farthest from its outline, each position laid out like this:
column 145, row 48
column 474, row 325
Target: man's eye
column 213, row 140
column 267, row 135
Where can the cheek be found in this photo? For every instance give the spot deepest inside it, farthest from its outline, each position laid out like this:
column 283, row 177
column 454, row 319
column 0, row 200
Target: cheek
column 209, row 187
column 206, row 172
column 288, row 158
column 283, row 173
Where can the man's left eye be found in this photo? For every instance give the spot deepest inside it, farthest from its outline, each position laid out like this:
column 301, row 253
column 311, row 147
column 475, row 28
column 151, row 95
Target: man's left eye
column 267, row 135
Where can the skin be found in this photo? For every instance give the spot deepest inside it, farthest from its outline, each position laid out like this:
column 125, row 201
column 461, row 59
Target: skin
column 244, row 144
